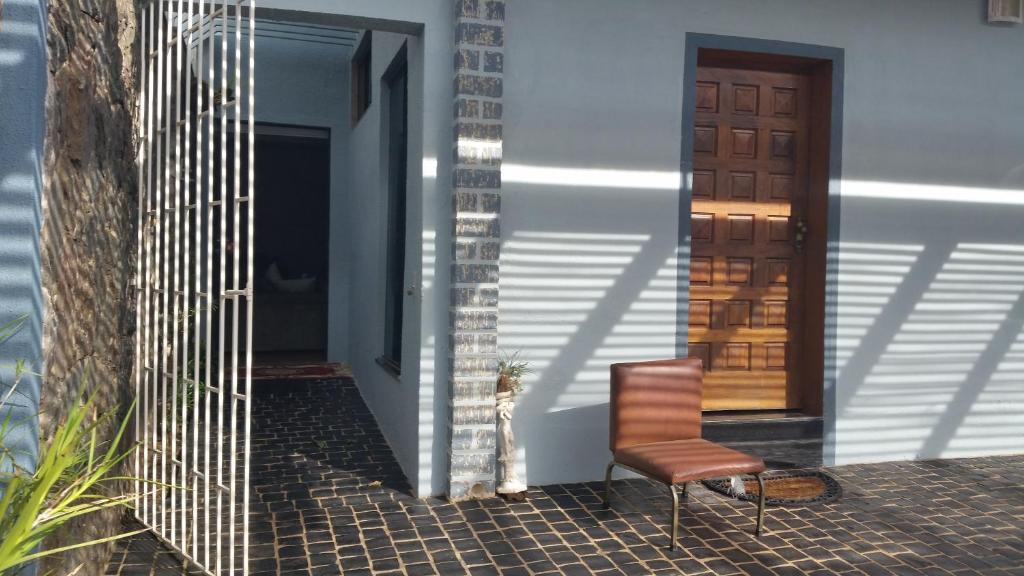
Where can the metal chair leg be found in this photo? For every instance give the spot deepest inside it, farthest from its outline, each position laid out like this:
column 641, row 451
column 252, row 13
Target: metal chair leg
column 760, row 504
column 675, row 516
column 685, row 486
column 608, row 485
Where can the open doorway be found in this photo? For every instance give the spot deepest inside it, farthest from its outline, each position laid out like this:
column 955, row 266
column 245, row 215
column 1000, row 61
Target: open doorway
column 292, row 177
column 330, row 172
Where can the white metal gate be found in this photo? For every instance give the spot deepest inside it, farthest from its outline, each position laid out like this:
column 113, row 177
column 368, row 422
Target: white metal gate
column 195, row 278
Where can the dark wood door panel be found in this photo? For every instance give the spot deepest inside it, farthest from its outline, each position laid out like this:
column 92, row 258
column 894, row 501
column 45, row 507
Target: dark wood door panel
column 750, row 188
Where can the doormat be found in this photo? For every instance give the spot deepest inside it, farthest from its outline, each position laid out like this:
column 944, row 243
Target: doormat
column 797, row 488
column 325, row 371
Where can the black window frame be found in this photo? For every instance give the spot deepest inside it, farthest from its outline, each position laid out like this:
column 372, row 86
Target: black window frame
column 362, row 77
column 396, row 189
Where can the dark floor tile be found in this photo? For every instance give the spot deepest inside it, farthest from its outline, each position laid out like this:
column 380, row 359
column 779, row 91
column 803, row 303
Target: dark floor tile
column 317, row 510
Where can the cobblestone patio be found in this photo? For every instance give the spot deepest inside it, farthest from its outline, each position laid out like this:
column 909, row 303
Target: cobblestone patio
column 329, row 498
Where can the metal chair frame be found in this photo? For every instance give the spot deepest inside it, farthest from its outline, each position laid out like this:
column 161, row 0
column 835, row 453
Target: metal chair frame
column 675, row 498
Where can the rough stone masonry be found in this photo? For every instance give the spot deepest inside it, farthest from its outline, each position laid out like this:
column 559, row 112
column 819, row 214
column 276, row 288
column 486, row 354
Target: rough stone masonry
column 476, row 237
column 88, row 233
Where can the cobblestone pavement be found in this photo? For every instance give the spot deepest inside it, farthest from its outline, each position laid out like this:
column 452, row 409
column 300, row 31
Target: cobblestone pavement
column 329, row 498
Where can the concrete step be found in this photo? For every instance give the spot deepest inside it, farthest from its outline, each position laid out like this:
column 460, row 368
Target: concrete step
column 783, row 455
column 761, row 427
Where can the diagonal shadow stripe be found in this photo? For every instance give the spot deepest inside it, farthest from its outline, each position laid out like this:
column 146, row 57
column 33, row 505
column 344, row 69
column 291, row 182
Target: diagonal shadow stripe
column 606, row 314
column 889, row 320
column 974, row 383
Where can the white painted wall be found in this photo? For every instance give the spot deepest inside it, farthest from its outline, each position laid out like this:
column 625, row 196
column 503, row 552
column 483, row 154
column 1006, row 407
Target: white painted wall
column 931, row 292
column 593, row 94
column 412, row 412
column 392, row 399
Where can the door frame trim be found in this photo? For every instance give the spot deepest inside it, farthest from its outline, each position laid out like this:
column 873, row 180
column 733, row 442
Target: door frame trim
column 695, row 42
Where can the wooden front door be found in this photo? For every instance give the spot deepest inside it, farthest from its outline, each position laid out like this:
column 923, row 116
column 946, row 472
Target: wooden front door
column 749, row 213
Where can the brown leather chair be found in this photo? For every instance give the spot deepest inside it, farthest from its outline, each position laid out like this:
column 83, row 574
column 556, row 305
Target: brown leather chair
column 656, row 431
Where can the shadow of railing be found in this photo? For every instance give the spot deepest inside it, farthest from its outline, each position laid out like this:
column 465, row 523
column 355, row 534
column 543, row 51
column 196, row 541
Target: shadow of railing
column 23, row 81
column 926, row 326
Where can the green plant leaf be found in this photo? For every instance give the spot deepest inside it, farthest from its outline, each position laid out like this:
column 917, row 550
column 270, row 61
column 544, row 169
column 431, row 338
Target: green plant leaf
column 71, row 473
column 53, row 551
column 10, row 328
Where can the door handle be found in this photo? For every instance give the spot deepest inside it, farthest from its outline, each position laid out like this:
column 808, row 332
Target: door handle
column 799, row 235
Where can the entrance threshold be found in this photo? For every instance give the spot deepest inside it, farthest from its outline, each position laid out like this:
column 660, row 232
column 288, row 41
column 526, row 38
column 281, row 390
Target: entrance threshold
column 761, row 425
column 784, row 438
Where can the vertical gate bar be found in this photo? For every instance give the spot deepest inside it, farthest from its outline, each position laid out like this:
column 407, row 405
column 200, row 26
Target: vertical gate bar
column 161, row 344
column 158, row 311
column 167, row 348
column 152, row 168
column 147, row 474
column 223, row 276
column 210, row 207
column 140, row 250
column 174, row 288
column 236, row 256
column 187, row 394
column 156, row 226
column 170, row 278
column 166, row 338
column 165, row 246
column 199, row 304
column 250, row 285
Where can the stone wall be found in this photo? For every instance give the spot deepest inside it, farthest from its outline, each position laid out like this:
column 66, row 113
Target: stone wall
column 476, row 206
column 89, row 211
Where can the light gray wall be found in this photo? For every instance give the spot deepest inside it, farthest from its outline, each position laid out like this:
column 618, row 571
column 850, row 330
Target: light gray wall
column 931, row 292
column 413, row 412
column 391, row 398
column 593, row 96
column 23, row 80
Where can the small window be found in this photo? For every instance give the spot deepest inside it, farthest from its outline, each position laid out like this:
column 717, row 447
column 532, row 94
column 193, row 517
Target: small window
column 361, row 73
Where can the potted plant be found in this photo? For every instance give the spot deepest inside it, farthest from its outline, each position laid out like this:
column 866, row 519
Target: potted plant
column 511, row 369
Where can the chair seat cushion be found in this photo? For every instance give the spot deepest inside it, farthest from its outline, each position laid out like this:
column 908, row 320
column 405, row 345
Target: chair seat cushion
column 679, row 461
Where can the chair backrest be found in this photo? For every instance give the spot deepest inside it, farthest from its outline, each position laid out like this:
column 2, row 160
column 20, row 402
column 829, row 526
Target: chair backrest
column 655, row 401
